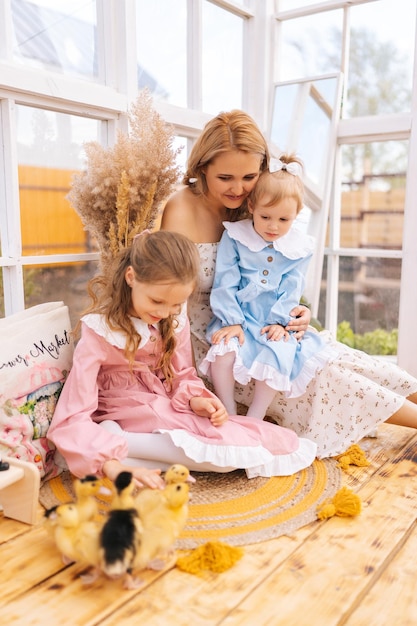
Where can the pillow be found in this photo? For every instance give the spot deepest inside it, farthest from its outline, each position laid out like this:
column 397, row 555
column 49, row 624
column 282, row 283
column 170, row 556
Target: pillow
column 36, row 350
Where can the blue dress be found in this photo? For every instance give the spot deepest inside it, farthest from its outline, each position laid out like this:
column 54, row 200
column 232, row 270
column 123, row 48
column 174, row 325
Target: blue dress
column 257, row 283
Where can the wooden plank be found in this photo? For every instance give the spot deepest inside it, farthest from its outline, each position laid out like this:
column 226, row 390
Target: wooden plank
column 183, row 599
column 302, row 569
column 337, row 566
column 31, row 558
column 64, row 599
column 280, row 573
column 395, row 592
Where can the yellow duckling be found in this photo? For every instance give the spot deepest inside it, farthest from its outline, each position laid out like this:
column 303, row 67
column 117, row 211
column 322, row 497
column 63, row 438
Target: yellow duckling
column 178, row 473
column 85, row 491
column 147, row 499
column 162, row 525
column 76, row 539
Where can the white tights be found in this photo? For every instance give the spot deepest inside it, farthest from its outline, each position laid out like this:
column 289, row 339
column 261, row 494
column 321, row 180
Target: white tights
column 224, row 384
column 223, row 380
column 157, row 450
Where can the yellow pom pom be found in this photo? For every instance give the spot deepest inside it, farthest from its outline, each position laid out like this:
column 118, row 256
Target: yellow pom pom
column 214, row 556
column 354, row 455
column 345, row 503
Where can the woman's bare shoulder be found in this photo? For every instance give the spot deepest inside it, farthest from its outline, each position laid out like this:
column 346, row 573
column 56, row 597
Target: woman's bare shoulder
column 179, row 212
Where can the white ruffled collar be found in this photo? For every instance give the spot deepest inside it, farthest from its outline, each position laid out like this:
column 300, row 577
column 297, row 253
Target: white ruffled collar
column 294, row 245
column 97, row 322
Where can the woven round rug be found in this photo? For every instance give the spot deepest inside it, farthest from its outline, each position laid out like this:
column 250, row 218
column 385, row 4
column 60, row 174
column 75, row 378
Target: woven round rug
column 232, row 508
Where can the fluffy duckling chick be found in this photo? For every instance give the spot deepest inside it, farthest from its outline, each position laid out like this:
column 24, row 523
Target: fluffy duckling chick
column 85, row 491
column 76, row 539
column 119, row 541
column 178, row 473
column 147, row 499
column 121, row 533
column 125, row 490
column 162, row 525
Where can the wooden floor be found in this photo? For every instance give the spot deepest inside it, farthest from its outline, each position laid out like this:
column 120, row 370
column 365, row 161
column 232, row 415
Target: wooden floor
column 358, row 571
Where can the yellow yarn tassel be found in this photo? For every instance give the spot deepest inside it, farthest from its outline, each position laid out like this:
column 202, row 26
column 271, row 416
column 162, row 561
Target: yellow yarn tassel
column 345, row 503
column 214, row 556
column 353, row 456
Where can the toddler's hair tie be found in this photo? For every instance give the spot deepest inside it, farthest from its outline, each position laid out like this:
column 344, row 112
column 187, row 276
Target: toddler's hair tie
column 294, row 168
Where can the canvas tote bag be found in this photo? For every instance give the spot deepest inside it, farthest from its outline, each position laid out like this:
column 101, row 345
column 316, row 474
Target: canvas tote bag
column 36, row 350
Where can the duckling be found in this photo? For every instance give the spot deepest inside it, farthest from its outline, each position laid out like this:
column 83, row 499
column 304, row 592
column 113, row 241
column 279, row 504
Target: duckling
column 125, row 489
column 162, row 525
column 85, row 491
column 76, row 539
column 147, row 499
column 178, row 473
column 121, row 533
column 120, row 537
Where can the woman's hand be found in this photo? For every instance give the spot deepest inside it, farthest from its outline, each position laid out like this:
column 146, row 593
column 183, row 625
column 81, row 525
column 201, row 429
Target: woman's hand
column 144, row 477
column 301, row 321
column 228, row 332
column 211, row 408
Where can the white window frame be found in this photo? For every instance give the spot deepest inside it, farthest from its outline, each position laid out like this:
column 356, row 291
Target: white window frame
column 110, row 100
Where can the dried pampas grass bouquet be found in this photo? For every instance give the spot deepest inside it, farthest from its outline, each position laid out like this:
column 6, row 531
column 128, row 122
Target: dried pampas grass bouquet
column 123, row 188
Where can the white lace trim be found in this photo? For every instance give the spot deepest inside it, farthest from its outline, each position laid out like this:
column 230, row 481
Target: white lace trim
column 294, row 245
column 257, row 461
column 97, row 322
column 268, row 373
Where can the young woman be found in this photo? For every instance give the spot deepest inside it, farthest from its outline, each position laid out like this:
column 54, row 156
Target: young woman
column 351, row 394
column 132, row 375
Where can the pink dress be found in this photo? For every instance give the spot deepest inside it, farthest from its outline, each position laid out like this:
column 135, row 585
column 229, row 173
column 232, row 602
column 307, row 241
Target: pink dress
column 101, row 387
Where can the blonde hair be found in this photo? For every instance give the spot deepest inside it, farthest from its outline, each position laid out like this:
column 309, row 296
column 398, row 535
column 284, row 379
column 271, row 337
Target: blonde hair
column 279, row 185
column 161, row 256
column 233, row 130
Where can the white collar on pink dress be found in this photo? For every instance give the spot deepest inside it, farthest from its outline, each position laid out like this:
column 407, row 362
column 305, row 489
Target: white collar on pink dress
column 294, row 245
column 97, row 322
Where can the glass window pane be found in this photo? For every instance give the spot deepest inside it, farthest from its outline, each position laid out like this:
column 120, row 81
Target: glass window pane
column 369, row 293
column 372, row 218
column 66, row 283
column 222, row 59
column 50, row 150
column 381, row 58
column 373, row 194
column 368, row 303
column 162, row 49
column 302, row 121
column 56, row 35
column 311, row 45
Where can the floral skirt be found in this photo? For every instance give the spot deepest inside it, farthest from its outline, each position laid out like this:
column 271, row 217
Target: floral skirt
column 345, row 401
